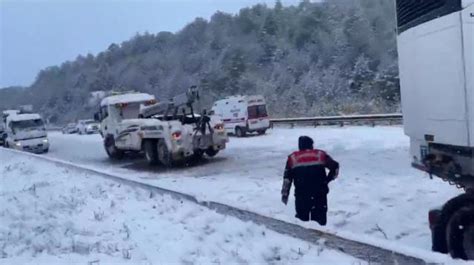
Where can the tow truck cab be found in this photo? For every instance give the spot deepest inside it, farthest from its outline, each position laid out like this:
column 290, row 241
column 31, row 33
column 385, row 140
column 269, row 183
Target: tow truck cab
column 118, row 108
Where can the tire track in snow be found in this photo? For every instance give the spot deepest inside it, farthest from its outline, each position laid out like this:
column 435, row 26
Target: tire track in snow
column 370, row 253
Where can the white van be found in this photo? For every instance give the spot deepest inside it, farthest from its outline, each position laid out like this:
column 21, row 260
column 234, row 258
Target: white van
column 26, row 132
column 243, row 114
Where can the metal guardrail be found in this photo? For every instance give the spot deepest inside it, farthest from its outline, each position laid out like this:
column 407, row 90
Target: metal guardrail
column 341, row 120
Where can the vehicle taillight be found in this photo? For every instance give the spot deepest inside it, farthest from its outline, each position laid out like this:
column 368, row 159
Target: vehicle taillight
column 176, row 135
column 150, row 102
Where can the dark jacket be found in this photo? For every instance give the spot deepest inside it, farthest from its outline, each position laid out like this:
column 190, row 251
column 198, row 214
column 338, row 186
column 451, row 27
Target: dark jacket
column 307, row 170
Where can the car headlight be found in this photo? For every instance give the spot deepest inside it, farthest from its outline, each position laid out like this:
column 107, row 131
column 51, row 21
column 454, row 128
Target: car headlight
column 18, row 144
column 45, row 141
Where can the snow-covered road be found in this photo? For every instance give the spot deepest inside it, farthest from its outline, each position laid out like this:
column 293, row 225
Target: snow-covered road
column 377, row 197
column 55, row 215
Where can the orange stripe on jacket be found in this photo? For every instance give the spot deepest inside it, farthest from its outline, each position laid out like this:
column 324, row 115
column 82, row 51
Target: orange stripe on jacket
column 307, row 158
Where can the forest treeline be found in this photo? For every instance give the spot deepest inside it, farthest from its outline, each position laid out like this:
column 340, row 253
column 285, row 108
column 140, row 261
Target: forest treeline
column 328, row 58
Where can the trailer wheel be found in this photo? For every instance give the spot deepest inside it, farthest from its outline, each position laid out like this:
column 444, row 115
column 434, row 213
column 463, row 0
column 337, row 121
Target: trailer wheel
column 211, row 152
column 164, row 155
column 240, row 132
column 112, row 151
column 151, row 152
column 440, row 242
column 460, row 234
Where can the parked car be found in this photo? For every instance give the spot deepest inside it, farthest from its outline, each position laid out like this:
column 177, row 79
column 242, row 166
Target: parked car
column 70, row 129
column 87, row 127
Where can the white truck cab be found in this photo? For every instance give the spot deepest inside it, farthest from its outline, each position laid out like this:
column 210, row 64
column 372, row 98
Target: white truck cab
column 26, row 132
column 129, row 124
column 243, row 114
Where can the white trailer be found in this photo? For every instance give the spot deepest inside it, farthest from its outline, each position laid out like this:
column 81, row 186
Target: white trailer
column 243, row 114
column 134, row 122
column 26, row 132
column 436, row 62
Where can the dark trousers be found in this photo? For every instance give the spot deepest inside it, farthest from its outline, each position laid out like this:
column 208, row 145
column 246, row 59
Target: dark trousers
column 312, row 207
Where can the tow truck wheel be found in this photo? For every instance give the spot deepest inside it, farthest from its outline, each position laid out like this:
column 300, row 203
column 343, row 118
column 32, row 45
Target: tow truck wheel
column 151, row 152
column 211, row 152
column 164, row 156
column 197, row 155
column 460, row 234
column 111, row 149
column 239, row 132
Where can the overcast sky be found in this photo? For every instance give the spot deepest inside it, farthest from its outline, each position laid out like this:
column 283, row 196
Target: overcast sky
column 39, row 33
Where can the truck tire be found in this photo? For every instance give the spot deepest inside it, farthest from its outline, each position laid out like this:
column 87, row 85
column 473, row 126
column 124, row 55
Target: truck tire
column 112, row 151
column 460, row 234
column 197, row 155
column 240, row 132
column 211, row 152
column 440, row 243
column 164, row 155
column 261, row 132
column 151, row 152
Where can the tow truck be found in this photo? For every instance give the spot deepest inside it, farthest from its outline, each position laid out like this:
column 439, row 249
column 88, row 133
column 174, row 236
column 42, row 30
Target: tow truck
column 168, row 133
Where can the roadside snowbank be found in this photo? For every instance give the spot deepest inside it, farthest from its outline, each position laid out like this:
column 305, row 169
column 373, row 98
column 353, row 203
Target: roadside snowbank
column 53, row 215
column 377, row 197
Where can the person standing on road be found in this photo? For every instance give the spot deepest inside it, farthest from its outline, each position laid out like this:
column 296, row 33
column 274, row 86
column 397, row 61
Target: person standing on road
column 306, row 168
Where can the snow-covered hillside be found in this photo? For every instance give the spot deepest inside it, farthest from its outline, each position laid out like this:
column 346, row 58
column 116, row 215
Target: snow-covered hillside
column 378, row 196
column 53, row 215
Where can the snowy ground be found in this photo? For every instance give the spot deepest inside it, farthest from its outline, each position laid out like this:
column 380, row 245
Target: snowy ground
column 53, row 215
column 377, row 196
